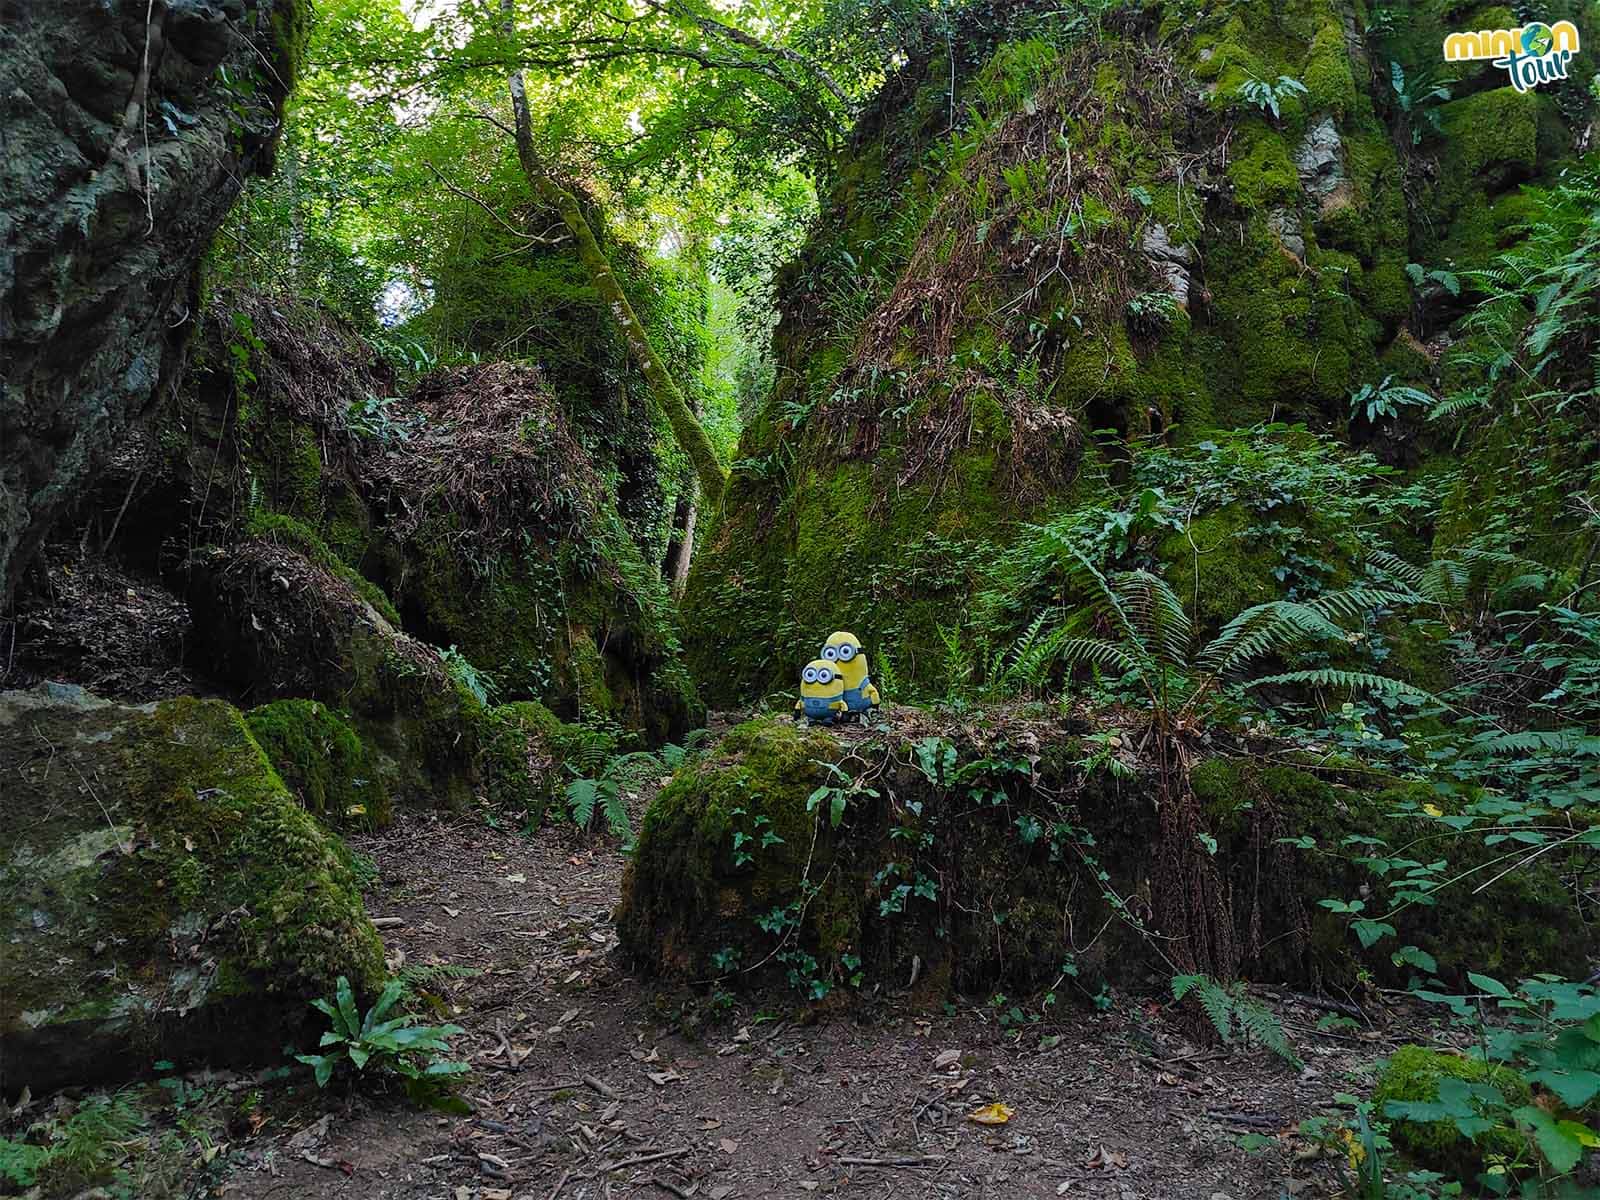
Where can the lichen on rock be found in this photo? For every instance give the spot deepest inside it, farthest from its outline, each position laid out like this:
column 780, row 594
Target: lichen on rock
column 163, row 893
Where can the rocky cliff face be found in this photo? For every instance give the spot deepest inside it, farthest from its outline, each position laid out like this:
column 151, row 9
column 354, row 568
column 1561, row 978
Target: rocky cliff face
column 126, row 131
column 1082, row 238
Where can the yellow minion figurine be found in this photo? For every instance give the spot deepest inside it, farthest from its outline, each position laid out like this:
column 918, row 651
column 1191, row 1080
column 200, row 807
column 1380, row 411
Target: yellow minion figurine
column 844, row 651
column 821, row 693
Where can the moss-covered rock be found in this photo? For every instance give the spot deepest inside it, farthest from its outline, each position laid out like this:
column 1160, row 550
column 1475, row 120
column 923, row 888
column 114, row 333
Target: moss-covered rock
column 277, row 624
column 1413, row 1074
column 928, row 435
column 163, row 894
column 323, row 762
column 978, row 854
column 1523, row 924
column 529, row 755
column 486, row 510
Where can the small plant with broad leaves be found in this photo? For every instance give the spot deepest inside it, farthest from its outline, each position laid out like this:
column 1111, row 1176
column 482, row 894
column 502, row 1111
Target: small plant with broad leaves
column 1269, row 95
column 1546, row 1033
column 382, row 1042
column 480, row 683
column 839, row 794
column 1386, row 399
column 1418, row 96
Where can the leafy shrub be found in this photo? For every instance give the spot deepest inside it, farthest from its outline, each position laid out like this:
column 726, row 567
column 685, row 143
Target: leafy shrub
column 1268, row 95
column 386, row 1043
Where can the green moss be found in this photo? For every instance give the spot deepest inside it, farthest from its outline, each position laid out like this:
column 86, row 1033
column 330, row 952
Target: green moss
column 1525, row 927
column 291, row 32
column 1262, row 173
column 323, row 762
column 679, row 897
column 1330, row 84
column 1218, row 568
column 287, row 531
column 529, row 754
column 210, row 852
column 1386, row 291
column 1413, row 1074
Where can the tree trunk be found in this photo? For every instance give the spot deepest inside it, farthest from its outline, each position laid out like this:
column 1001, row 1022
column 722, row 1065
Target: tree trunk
column 686, row 428
column 680, row 568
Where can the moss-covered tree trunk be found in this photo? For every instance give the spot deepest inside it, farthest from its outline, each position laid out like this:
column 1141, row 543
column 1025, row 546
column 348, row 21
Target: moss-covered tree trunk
column 686, row 427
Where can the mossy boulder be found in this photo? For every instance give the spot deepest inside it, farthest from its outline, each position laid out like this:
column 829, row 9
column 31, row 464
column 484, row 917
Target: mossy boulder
column 1523, row 924
column 1413, row 1074
column 969, row 853
column 323, row 762
column 276, row 624
column 163, row 894
column 485, row 510
column 529, row 755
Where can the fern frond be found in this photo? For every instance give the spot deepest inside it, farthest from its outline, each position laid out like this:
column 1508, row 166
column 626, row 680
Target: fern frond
column 1167, row 631
column 1399, row 568
column 1218, row 1006
column 1079, row 565
column 1349, row 603
column 1098, row 653
column 616, row 811
column 1528, row 741
column 1265, row 629
column 582, row 795
column 1261, row 1027
column 1355, row 681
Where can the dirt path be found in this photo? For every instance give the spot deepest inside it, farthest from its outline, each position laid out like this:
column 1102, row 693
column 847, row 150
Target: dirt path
column 590, row 1082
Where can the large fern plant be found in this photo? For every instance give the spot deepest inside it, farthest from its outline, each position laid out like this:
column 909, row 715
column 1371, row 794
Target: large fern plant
column 1153, row 640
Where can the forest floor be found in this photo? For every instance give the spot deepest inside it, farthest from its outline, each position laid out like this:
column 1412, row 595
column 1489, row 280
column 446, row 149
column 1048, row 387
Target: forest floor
column 590, row 1082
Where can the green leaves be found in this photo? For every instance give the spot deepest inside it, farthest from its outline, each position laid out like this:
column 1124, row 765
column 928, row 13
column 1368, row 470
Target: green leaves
column 1267, row 96
column 586, row 796
column 392, row 1044
column 1561, row 1142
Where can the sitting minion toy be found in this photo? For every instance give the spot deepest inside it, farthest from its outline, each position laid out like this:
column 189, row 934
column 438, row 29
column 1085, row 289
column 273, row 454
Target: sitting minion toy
column 821, row 693
column 843, row 651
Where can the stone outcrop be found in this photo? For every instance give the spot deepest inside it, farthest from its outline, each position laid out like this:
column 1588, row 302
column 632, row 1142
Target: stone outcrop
column 161, row 893
column 126, row 131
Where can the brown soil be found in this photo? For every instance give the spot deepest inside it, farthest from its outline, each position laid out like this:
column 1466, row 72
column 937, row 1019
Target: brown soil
column 590, row 1082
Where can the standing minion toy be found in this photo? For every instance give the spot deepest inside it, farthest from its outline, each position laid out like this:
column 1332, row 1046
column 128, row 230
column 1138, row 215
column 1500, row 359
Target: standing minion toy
column 821, row 693
column 843, row 650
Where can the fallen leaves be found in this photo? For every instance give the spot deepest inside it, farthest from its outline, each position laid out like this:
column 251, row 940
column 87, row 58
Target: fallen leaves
column 1104, row 1156
column 992, row 1114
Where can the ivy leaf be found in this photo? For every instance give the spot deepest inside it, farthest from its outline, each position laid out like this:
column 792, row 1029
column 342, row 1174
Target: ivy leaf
column 1411, row 956
column 1371, row 932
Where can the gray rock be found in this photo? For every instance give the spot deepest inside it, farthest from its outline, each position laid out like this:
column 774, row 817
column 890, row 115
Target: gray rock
column 1319, row 158
column 1170, row 263
column 112, row 185
column 161, row 893
column 1285, row 226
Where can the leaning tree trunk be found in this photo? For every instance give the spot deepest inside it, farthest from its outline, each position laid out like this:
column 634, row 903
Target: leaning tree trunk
column 686, row 428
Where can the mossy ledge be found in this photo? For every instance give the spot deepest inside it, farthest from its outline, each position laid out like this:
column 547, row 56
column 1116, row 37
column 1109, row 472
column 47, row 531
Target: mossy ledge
column 991, row 875
column 1413, row 1073
column 165, row 897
